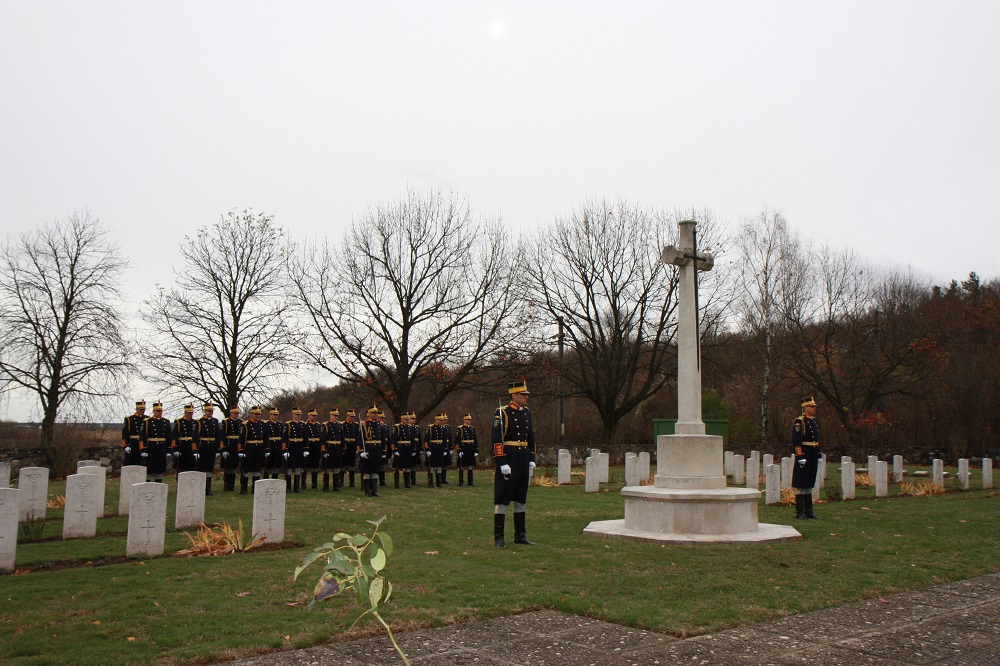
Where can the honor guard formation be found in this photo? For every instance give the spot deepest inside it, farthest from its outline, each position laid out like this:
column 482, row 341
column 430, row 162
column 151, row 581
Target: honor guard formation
column 302, row 450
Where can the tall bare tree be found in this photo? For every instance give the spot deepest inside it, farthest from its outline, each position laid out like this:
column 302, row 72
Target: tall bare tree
column 769, row 266
column 223, row 330
column 60, row 318
column 418, row 296
column 599, row 273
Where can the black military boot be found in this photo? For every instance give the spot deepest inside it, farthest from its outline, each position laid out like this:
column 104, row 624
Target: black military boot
column 498, row 520
column 437, row 479
column 351, row 475
column 395, row 479
column 406, row 479
column 519, row 533
column 444, row 476
column 381, row 479
column 413, row 477
column 430, row 479
column 809, row 507
column 243, row 485
column 305, row 481
column 253, row 483
column 288, row 482
column 208, row 485
column 800, row 506
column 374, row 487
column 470, row 479
column 315, row 484
column 295, row 483
column 326, row 482
column 230, row 482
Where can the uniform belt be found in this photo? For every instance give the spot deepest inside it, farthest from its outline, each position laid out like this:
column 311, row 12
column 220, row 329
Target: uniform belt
column 509, row 442
column 208, row 439
column 810, row 443
column 294, row 439
column 255, row 441
column 185, row 439
column 468, row 441
column 156, row 439
column 314, row 439
column 437, row 441
column 232, row 436
column 350, row 439
column 133, row 436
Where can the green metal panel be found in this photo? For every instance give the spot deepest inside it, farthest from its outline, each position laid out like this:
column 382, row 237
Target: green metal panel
column 712, row 427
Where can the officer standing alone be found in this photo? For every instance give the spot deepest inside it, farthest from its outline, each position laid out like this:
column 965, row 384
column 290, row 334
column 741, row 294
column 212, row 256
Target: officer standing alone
column 513, row 441
column 805, row 442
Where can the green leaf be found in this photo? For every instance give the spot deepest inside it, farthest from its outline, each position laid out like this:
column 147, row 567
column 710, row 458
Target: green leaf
column 341, row 536
column 376, row 523
column 326, row 588
column 386, row 542
column 375, row 592
column 367, row 571
column 361, row 590
column 359, row 540
column 307, row 560
column 343, row 566
column 388, row 591
column 378, row 560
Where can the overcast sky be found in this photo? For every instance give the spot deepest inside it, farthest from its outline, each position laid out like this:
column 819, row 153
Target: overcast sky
column 870, row 124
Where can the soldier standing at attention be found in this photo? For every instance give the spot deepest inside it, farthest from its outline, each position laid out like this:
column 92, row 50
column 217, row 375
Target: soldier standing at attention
column 232, row 428
column 403, row 449
column 333, row 449
column 153, row 444
column 131, row 430
column 274, row 440
column 209, row 436
column 386, row 452
column 373, row 433
column 295, row 450
column 412, row 437
column 314, row 448
column 805, row 441
column 352, row 433
column 185, row 440
column 513, row 441
column 466, row 449
column 437, row 439
column 252, row 442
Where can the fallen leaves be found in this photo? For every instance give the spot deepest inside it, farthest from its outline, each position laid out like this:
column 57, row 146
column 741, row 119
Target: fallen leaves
column 430, row 552
column 243, row 594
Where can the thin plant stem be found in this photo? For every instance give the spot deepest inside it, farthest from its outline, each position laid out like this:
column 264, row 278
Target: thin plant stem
column 392, row 638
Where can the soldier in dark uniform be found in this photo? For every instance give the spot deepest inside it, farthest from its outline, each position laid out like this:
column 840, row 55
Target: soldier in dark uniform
column 274, row 440
column 437, row 440
column 295, row 449
column 352, row 433
column 130, row 435
column 209, row 437
column 466, row 449
column 373, row 433
column 386, row 452
column 410, row 449
column 333, row 449
column 252, row 449
column 314, row 448
column 153, row 442
column 513, row 441
column 401, row 449
column 184, row 444
column 232, row 428
column 805, row 441
column 446, row 460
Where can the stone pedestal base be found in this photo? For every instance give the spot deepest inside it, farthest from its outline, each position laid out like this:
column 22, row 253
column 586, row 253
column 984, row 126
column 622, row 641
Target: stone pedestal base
column 691, row 516
column 689, row 462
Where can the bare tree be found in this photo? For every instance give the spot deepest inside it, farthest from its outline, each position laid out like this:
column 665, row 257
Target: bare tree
column 60, row 322
column 418, row 297
column 599, row 273
column 223, row 331
column 767, row 256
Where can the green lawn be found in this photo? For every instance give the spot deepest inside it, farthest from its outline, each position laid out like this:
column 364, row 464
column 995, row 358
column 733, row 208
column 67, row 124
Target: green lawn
column 445, row 569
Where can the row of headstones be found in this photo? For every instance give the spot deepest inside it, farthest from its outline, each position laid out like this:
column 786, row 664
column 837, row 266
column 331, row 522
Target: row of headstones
column 848, row 473
column 144, row 503
column 745, row 470
column 597, row 469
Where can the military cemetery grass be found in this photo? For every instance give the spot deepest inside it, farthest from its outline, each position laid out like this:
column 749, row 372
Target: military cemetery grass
column 445, row 569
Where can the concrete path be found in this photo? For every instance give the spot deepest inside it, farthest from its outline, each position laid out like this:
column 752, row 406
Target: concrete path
column 957, row 623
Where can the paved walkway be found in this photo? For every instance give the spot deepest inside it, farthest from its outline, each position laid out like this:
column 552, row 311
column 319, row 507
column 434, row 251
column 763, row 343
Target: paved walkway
column 957, row 623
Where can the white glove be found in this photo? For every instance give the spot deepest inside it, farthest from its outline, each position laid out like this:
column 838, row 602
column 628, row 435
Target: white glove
column 128, row 449
column 802, row 462
column 505, row 470
column 267, row 454
column 305, row 454
column 531, row 466
column 459, row 454
column 177, row 454
column 197, row 455
column 395, row 453
column 143, row 454
column 225, row 454
column 477, row 455
column 285, row 455
column 326, row 455
column 428, row 453
column 364, row 454
column 242, row 455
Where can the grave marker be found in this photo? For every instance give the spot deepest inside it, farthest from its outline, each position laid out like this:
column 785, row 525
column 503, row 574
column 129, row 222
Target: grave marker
column 147, row 519
column 80, row 464
column 987, row 473
column 739, row 470
column 753, row 472
column 269, row 510
column 963, row 473
column 592, row 484
column 80, row 511
column 772, row 484
column 190, row 507
column 644, row 465
column 131, row 475
column 565, row 467
column 727, row 463
column 881, row 478
column 937, row 471
column 897, row 469
column 4, row 475
column 102, row 474
column 631, row 469
column 34, row 482
column 604, row 461
column 847, row 480
column 9, row 517
column 786, row 472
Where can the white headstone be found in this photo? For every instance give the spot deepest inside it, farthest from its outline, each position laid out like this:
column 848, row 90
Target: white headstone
column 937, row 472
column 644, row 465
column 604, row 460
column 594, row 453
column 847, row 480
column 147, row 519
column 190, row 507
column 820, row 473
column 753, row 472
column 845, row 459
column 768, row 459
column 897, row 469
column 592, row 483
column 963, row 473
column 727, row 463
column 4, row 475
column 269, row 510
column 739, row 470
column 772, row 484
column 80, row 511
column 987, row 473
column 131, row 475
column 80, row 464
column 871, row 466
column 631, row 469
column 105, row 461
column 9, row 516
column 881, row 478
column 34, row 484
column 102, row 474
column 565, row 466
column 786, row 472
